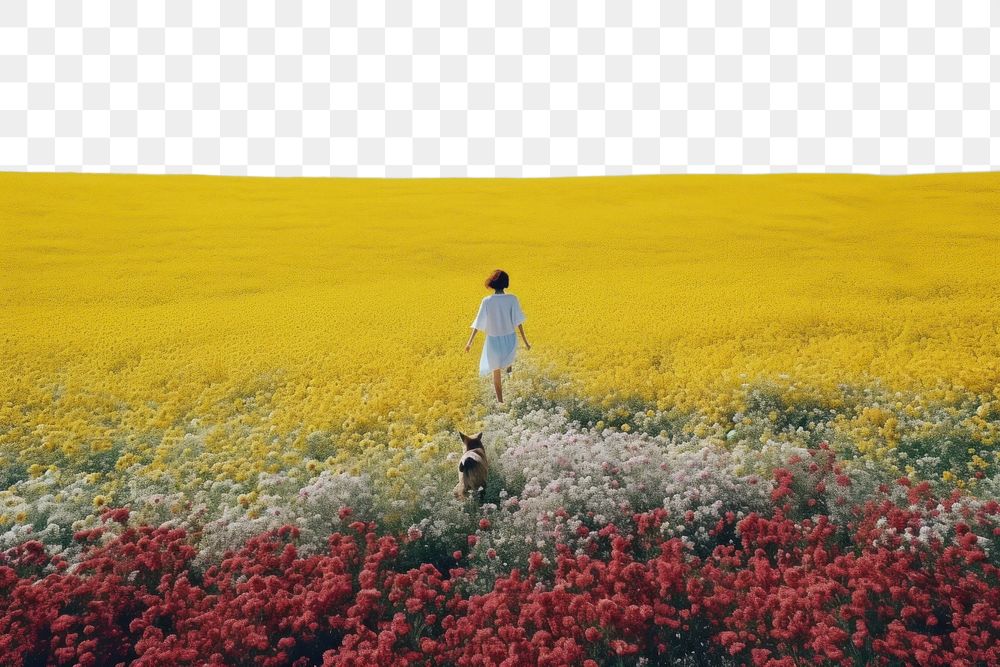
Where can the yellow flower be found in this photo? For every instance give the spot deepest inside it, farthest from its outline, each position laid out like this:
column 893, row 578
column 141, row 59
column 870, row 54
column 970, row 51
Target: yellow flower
column 194, row 368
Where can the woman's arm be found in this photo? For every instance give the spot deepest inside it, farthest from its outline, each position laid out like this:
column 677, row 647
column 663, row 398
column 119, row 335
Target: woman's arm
column 476, row 323
column 523, row 337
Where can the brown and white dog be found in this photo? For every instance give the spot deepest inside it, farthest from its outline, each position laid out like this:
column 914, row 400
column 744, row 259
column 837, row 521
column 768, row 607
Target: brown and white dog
column 472, row 467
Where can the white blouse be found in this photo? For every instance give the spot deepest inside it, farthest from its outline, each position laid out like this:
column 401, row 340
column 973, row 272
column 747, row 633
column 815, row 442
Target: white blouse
column 499, row 315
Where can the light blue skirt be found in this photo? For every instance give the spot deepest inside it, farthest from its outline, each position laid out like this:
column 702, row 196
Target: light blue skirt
column 498, row 352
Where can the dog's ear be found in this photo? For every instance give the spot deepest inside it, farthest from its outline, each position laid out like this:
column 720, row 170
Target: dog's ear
column 478, row 436
column 464, row 437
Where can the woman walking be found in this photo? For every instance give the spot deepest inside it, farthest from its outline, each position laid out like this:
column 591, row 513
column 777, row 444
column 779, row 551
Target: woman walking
column 499, row 317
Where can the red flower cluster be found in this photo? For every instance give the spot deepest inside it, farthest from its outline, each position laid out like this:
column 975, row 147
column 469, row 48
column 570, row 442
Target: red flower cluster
column 789, row 591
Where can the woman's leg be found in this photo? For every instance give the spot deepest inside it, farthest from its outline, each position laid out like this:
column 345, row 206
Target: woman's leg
column 496, row 385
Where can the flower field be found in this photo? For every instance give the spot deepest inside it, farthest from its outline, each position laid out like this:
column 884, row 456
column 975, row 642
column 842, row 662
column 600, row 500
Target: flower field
column 758, row 424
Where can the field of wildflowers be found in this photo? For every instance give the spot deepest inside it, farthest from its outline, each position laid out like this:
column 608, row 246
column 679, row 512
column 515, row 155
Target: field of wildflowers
column 758, row 424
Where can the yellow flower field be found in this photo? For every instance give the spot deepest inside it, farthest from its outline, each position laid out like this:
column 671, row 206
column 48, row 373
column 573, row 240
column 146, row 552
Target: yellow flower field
column 214, row 328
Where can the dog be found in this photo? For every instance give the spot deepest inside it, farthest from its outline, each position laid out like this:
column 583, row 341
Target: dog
column 472, row 467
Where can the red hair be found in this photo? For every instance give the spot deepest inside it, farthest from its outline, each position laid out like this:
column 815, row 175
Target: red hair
column 498, row 280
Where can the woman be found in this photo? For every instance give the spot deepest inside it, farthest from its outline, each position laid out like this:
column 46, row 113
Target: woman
column 499, row 315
